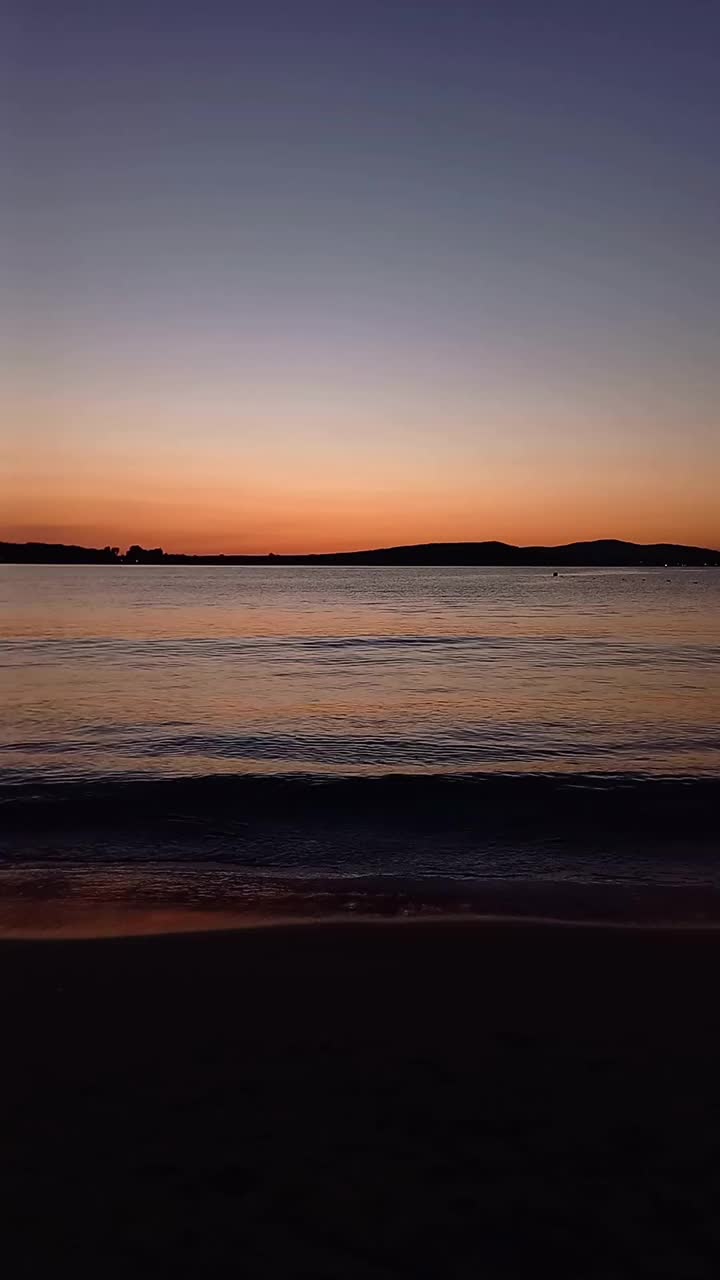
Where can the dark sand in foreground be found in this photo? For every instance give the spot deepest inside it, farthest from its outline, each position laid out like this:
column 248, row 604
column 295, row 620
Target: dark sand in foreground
column 421, row 1100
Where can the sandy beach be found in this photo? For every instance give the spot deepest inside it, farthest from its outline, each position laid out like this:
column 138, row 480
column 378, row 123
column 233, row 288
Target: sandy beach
column 363, row 1100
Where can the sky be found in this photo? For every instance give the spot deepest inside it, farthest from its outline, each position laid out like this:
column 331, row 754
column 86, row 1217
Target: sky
column 304, row 276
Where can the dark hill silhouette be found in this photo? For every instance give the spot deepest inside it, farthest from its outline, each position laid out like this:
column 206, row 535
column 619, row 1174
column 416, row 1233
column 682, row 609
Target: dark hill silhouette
column 602, row 552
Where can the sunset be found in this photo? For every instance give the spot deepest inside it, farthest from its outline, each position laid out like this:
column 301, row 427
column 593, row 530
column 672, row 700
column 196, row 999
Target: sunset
column 296, row 490
column 360, row 639
column 320, row 277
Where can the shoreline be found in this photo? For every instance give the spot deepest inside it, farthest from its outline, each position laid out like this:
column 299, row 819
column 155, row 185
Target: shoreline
column 50, row 921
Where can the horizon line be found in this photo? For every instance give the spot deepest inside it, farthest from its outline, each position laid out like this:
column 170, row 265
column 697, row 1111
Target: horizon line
column 366, row 550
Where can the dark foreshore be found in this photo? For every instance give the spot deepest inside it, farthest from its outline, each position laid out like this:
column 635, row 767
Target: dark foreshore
column 386, row 1099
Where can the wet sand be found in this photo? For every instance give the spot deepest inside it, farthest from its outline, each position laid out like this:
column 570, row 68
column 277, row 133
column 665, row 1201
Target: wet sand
column 431, row 1100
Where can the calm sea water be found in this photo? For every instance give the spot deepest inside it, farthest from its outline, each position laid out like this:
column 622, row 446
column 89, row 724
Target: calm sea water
column 248, row 726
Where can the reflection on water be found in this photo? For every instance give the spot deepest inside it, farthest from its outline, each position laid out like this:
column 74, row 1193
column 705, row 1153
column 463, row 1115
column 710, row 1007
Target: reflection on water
column 179, row 670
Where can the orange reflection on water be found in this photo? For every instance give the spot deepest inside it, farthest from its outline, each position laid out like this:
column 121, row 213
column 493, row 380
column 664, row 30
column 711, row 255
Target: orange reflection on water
column 38, row 920
column 220, row 670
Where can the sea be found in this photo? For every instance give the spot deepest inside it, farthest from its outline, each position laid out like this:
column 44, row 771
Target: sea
column 291, row 741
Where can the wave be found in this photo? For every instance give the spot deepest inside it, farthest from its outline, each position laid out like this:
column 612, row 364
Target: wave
column 548, row 649
column 542, row 803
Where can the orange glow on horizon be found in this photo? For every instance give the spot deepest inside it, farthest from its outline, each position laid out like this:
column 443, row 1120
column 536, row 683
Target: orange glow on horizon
column 296, row 492
column 214, row 532
column 265, row 517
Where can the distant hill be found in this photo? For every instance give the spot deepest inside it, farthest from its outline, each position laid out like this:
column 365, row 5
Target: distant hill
column 602, row 552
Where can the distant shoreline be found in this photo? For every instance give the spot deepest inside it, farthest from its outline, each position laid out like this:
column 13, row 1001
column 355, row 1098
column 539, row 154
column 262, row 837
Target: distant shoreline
column 600, row 553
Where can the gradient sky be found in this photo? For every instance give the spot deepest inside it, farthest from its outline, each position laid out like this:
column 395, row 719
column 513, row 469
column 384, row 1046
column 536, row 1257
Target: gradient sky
column 305, row 275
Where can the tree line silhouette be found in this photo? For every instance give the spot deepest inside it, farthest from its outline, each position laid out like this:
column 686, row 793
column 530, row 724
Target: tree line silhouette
column 64, row 553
